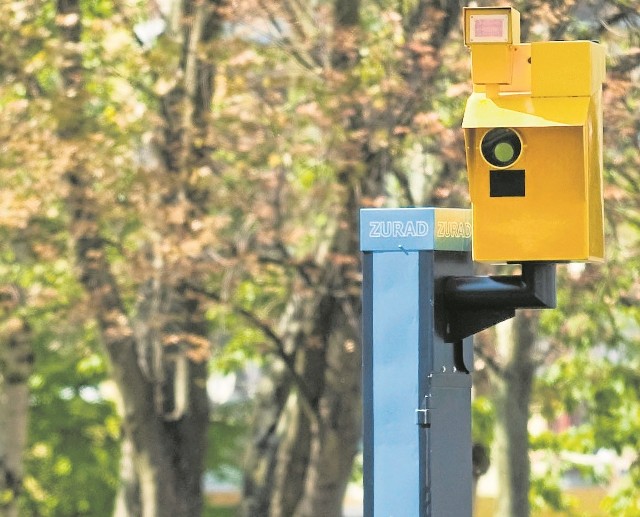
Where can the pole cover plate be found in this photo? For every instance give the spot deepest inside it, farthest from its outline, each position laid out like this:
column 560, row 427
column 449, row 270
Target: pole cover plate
column 415, row 229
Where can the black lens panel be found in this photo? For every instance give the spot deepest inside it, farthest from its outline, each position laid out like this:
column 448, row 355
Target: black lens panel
column 509, row 183
column 501, row 147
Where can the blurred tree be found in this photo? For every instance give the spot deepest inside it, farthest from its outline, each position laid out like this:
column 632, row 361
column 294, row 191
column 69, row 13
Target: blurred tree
column 594, row 378
column 157, row 346
column 38, row 293
column 16, row 363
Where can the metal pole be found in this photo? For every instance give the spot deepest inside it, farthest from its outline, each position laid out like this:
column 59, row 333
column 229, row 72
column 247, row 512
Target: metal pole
column 420, row 306
column 417, row 386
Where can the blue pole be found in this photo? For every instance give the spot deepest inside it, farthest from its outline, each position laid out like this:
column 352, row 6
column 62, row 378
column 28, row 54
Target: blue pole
column 416, row 387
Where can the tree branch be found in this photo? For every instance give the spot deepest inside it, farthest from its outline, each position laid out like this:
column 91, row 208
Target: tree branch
column 267, row 330
column 493, row 365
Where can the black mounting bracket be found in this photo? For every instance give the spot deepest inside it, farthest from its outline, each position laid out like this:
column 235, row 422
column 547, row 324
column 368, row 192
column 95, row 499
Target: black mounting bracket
column 474, row 303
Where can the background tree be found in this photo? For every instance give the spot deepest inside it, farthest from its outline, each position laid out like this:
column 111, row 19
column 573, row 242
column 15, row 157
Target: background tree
column 594, row 378
column 16, row 360
column 38, row 302
column 153, row 326
column 70, row 84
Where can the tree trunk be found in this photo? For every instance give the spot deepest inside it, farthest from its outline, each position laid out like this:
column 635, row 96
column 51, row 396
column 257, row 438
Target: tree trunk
column 261, row 460
column 336, row 431
column 16, row 365
column 167, row 452
column 164, row 418
column 128, row 501
column 164, row 401
column 515, row 340
column 292, row 459
column 305, row 442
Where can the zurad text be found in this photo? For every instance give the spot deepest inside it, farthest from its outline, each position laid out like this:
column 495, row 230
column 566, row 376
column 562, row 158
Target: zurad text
column 453, row 229
column 383, row 229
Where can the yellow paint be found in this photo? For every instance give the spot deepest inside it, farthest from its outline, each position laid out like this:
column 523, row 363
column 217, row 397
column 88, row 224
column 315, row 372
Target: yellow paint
column 550, row 94
column 493, row 65
column 567, row 68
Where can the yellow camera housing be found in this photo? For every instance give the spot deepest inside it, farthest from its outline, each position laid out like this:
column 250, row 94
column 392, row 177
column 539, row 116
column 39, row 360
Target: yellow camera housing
column 533, row 139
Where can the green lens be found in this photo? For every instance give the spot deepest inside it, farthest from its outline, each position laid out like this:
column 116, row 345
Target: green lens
column 504, row 152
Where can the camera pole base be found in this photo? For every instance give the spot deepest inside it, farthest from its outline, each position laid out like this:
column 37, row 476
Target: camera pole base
column 420, row 305
column 416, row 386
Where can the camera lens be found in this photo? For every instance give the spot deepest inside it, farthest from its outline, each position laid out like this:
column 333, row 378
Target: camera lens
column 501, row 147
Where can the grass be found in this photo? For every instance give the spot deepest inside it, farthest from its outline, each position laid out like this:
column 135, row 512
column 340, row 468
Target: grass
column 220, row 511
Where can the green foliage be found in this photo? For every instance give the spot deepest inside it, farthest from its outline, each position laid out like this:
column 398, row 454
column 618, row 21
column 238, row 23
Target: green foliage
column 483, row 419
column 78, row 450
column 626, row 502
column 74, row 432
column 219, row 511
column 545, row 493
column 228, row 436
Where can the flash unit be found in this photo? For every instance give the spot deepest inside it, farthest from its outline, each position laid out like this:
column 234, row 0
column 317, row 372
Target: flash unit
column 489, row 28
column 491, row 25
